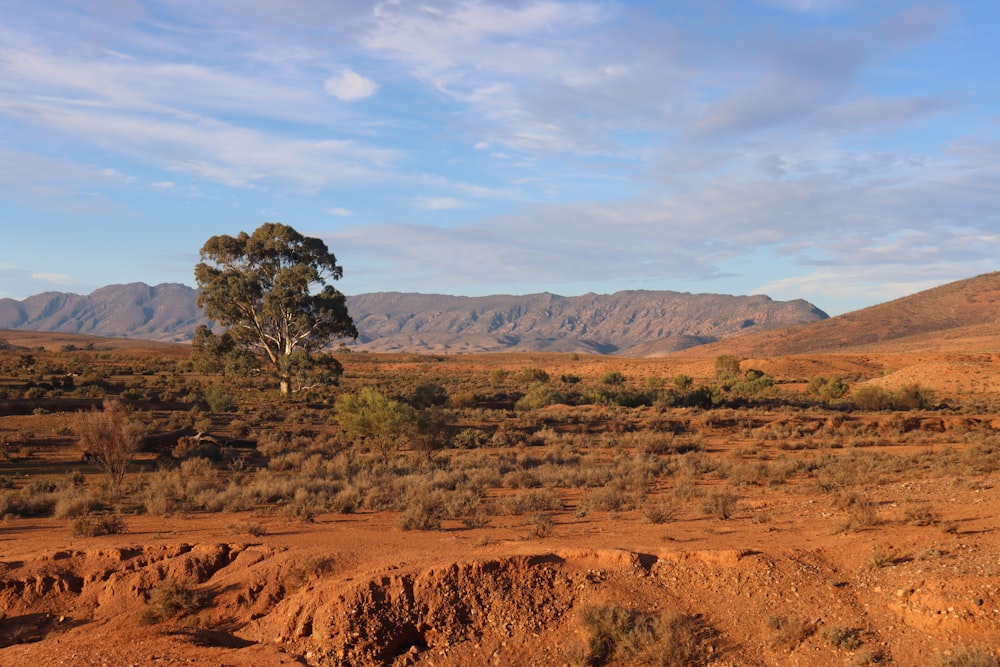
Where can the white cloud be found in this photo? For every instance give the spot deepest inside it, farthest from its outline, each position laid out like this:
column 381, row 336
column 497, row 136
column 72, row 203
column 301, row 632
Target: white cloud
column 163, row 185
column 349, row 86
column 339, row 211
column 53, row 278
column 439, row 203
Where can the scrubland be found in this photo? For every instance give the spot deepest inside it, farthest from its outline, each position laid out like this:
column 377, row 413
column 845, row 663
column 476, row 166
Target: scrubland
column 519, row 508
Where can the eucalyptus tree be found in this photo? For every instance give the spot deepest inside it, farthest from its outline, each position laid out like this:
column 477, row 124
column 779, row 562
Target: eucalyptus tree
column 271, row 289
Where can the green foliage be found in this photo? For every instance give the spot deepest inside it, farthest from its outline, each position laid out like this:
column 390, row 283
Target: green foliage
column 380, row 421
column 613, row 378
column 429, row 394
column 827, row 388
column 539, row 395
column 753, row 384
column 217, row 399
column 727, row 368
column 270, row 288
column 531, row 375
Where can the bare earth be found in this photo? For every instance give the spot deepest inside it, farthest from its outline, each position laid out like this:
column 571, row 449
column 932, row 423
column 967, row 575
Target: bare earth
column 354, row 589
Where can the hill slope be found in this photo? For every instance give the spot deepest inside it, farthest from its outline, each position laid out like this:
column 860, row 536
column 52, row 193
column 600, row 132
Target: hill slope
column 955, row 316
column 636, row 322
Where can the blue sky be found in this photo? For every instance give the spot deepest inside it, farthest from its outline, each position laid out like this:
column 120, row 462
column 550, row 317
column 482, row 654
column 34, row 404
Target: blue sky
column 845, row 152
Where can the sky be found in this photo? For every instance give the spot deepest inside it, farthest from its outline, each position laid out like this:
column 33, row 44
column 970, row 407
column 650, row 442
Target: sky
column 844, row 152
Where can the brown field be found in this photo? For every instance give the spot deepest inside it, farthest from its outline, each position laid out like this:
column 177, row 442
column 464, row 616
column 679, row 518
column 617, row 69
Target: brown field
column 774, row 528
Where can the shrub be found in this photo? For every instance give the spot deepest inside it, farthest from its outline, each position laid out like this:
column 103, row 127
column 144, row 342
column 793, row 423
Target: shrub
column 848, row 639
column 789, row 632
column 542, row 524
column 380, row 421
column 311, row 568
column 967, row 657
column 727, row 368
column 539, row 395
column 827, row 388
column 111, row 438
column 425, row 511
column 624, row 636
column 95, row 526
column 912, row 397
column 530, row 375
column 429, row 394
column 661, row 511
column 613, row 378
column 871, row 398
column 720, row 504
column 171, row 598
column 217, row 399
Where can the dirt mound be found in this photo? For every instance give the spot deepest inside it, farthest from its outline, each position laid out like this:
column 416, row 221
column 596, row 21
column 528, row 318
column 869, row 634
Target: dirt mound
column 269, row 605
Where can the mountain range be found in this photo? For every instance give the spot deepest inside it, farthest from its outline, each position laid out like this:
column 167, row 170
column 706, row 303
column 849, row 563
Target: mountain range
column 635, row 323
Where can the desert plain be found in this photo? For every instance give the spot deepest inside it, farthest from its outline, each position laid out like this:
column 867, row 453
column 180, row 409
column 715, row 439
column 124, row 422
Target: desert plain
column 615, row 522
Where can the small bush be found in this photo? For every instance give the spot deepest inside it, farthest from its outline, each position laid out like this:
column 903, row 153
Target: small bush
column 217, row 399
column 871, row 398
column 311, row 568
column 789, row 632
column 95, row 526
column 539, row 395
column 542, row 524
column 622, row 636
column 661, row 511
column 172, row 598
column 847, row 639
column 425, row 511
column 720, row 504
column 969, row 657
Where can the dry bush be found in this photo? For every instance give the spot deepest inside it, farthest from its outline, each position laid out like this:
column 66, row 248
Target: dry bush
column 424, row 511
column 533, row 500
column 720, row 504
column 95, row 526
column 74, row 503
column 615, row 635
column 112, row 438
column 969, row 657
column 789, row 632
column 660, row 511
column 848, row 639
column 172, row 598
column 311, row 568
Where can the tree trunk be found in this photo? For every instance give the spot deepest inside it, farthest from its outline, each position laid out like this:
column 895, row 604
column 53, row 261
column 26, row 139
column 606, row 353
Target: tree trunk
column 285, row 385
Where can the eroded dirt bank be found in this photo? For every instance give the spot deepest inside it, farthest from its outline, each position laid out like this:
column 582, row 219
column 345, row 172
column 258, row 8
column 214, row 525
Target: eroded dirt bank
column 356, row 591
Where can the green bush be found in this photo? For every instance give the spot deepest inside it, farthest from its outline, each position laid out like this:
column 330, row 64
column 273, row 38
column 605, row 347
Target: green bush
column 217, row 399
column 539, row 395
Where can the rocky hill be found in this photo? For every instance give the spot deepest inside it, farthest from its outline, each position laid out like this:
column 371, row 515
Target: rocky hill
column 639, row 323
column 963, row 315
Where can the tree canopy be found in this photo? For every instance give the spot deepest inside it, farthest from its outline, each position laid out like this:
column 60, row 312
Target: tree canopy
column 271, row 289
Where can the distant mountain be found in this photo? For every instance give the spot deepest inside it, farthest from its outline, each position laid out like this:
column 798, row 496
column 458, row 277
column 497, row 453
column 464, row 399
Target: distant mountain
column 167, row 312
column 633, row 323
column 962, row 316
column 638, row 323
